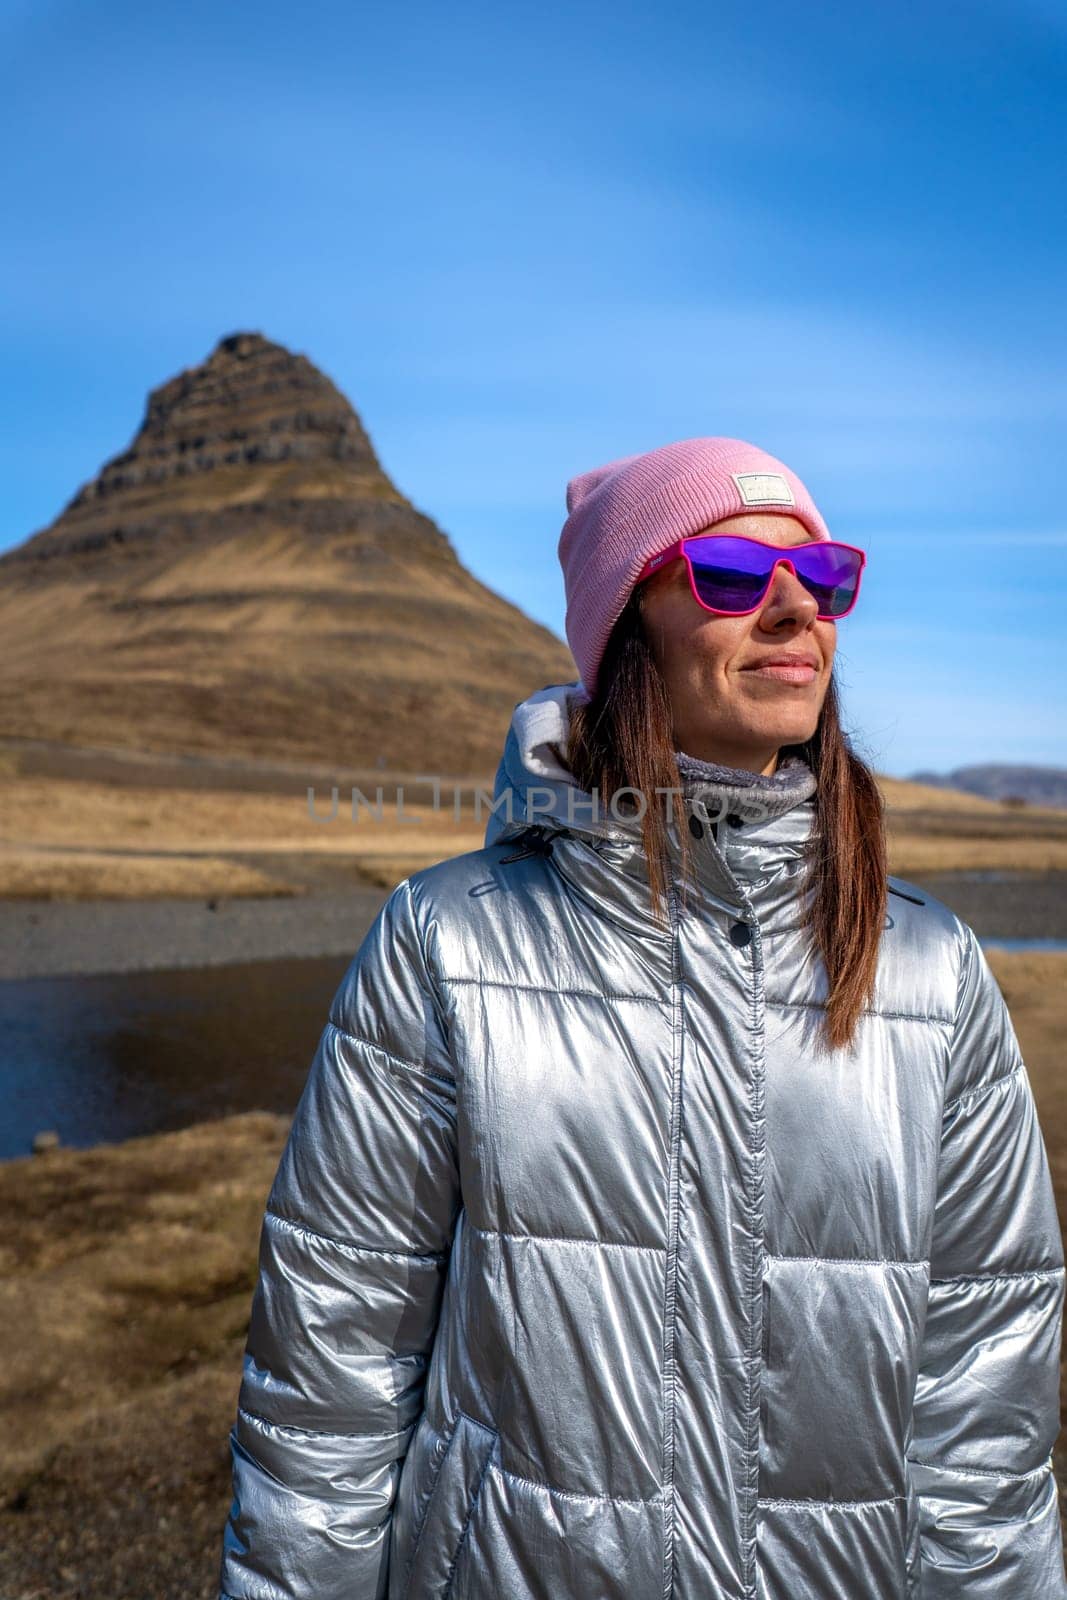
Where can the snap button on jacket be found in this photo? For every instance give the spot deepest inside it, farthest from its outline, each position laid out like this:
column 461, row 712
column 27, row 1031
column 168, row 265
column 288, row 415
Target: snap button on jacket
column 589, row 1273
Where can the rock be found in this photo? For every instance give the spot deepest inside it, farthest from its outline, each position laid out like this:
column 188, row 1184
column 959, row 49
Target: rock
column 47, row 1139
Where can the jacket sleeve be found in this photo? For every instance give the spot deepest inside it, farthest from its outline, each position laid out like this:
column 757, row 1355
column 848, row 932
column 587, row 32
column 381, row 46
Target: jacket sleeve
column 986, row 1411
column 353, row 1255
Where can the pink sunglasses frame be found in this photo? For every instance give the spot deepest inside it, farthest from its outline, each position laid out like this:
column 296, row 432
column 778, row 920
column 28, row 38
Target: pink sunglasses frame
column 676, row 550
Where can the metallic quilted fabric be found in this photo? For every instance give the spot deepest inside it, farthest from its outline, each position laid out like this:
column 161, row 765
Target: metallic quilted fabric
column 588, row 1273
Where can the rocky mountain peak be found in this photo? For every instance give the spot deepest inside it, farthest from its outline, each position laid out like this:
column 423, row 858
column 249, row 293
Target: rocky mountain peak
column 250, row 401
column 254, row 426
column 245, row 583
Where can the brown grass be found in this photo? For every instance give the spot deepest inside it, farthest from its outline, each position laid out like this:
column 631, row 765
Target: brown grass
column 66, row 839
column 73, row 838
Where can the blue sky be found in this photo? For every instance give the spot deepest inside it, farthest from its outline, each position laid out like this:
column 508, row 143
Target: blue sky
column 525, row 241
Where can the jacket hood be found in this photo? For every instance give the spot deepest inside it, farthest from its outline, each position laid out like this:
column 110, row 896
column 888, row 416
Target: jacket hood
column 770, row 819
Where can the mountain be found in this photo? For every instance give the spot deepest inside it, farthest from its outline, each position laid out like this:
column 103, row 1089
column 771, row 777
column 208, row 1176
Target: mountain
column 244, row 580
column 1036, row 786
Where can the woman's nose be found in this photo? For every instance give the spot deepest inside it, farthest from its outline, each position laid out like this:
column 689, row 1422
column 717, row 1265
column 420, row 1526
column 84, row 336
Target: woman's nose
column 787, row 597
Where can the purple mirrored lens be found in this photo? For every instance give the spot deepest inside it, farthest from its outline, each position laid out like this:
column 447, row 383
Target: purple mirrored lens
column 732, row 574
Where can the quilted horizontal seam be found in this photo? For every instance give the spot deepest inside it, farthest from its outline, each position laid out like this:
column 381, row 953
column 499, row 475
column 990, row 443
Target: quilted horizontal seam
column 319, row 1433
column 550, row 1488
column 977, row 1090
column 892, row 1016
column 851, row 1261
column 572, row 1494
column 562, row 1238
column 993, row 1277
column 657, row 1000
column 832, row 1505
column 981, row 1472
column 394, row 1060
column 350, row 1244
column 544, row 988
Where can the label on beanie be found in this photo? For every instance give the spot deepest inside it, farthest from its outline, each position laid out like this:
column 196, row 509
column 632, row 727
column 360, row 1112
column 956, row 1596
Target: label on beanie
column 763, row 489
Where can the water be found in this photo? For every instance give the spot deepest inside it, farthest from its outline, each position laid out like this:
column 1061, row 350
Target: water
column 1023, row 944
column 1012, row 910
column 106, row 1058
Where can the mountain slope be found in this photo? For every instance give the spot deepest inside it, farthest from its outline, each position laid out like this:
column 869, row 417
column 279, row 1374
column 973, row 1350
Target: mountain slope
column 245, row 580
column 1037, row 786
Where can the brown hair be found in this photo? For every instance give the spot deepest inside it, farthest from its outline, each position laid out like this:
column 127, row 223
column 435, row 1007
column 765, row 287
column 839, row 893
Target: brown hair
column 623, row 739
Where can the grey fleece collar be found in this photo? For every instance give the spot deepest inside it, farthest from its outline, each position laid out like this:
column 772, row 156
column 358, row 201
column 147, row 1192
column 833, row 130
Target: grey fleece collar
column 752, row 796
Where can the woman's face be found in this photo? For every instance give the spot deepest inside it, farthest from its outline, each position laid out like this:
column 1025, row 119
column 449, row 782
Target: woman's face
column 730, row 703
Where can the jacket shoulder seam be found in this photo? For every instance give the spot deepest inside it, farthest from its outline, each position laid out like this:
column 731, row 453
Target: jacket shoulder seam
column 434, row 979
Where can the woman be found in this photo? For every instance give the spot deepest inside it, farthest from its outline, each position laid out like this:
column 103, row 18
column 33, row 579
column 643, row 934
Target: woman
column 665, row 1216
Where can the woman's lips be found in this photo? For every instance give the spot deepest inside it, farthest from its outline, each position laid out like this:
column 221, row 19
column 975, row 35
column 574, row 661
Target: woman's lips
column 794, row 672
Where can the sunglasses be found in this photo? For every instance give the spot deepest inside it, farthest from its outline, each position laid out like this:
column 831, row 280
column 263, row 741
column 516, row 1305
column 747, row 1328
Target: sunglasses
column 731, row 574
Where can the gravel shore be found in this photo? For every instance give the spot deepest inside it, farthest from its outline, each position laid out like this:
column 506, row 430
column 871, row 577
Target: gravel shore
column 46, row 939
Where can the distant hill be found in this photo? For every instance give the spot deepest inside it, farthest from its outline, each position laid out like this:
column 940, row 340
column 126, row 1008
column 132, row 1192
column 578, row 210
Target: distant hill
column 1037, row 786
column 245, row 580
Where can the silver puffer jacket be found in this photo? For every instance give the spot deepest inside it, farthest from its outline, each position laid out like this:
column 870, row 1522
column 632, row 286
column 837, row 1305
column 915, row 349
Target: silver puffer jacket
column 588, row 1273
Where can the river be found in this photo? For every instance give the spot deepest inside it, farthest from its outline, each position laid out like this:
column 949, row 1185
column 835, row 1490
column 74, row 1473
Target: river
column 102, row 1058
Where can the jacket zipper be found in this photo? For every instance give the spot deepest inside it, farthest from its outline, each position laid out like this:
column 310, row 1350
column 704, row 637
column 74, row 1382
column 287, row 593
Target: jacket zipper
column 671, row 1267
column 758, row 1295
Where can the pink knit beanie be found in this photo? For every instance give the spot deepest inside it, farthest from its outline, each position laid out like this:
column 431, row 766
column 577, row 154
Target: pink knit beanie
column 631, row 509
